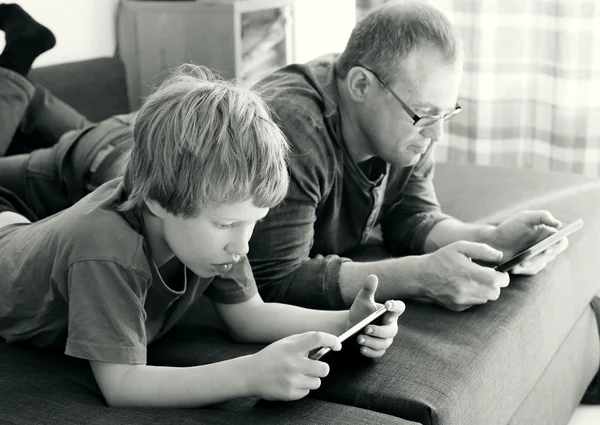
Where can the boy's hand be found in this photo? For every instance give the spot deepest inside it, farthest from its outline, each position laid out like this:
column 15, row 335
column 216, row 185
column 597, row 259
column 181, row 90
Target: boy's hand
column 282, row 371
column 377, row 338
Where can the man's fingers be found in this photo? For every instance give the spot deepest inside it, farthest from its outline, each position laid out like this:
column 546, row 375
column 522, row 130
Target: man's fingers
column 311, row 340
column 537, row 217
column 478, row 251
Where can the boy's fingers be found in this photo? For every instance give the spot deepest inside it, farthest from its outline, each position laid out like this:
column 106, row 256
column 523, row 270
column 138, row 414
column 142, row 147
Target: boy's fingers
column 369, row 288
column 394, row 310
column 369, row 352
column 315, row 368
column 374, row 343
column 311, row 340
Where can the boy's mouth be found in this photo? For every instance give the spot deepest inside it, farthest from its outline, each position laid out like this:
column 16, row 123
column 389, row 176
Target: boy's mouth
column 224, row 268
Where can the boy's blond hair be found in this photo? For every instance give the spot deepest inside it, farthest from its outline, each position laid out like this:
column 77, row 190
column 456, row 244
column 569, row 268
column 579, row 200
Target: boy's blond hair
column 199, row 141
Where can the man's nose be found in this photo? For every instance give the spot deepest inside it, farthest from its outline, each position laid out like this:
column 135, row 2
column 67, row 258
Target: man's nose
column 435, row 132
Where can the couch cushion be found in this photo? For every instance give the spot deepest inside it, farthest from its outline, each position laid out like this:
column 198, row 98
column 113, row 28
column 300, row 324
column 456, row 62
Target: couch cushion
column 43, row 387
column 97, row 87
column 477, row 367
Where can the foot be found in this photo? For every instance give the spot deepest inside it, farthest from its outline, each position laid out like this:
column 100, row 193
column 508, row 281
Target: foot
column 26, row 38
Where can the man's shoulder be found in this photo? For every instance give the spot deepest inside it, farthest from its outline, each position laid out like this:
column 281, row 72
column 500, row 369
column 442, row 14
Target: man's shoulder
column 298, row 91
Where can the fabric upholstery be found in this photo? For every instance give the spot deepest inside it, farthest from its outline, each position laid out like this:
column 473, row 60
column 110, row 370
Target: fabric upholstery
column 44, row 387
column 558, row 391
column 97, row 87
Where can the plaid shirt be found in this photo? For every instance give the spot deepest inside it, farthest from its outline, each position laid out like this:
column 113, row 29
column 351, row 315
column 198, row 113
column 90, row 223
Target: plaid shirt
column 331, row 207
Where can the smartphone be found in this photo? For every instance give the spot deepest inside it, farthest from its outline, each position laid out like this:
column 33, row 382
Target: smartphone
column 539, row 247
column 351, row 332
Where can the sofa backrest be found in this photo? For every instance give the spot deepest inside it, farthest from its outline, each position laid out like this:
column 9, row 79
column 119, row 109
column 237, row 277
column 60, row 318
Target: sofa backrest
column 96, row 87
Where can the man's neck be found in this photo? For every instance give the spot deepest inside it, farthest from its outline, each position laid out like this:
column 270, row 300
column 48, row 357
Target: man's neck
column 350, row 127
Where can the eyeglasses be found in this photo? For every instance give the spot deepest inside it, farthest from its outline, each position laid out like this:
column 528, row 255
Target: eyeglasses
column 418, row 121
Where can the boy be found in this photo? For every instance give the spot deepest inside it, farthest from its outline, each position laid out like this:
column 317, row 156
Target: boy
column 114, row 272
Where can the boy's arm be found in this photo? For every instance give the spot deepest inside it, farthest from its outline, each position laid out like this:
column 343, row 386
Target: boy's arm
column 126, row 385
column 257, row 321
column 280, row 371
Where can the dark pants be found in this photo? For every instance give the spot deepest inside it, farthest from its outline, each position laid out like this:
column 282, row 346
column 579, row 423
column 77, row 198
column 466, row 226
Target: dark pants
column 79, row 155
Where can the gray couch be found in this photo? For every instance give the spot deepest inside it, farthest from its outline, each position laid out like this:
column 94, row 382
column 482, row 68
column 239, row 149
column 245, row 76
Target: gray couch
column 524, row 359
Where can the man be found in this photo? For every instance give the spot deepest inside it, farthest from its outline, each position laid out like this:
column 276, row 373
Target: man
column 363, row 126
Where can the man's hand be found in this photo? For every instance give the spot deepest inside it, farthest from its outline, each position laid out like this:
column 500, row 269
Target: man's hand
column 377, row 339
column 522, row 230
column 282, row 371
column 452, row 278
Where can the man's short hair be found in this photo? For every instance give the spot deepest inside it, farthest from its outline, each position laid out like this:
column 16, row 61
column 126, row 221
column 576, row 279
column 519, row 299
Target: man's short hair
column 200, row 141
column 388, row 34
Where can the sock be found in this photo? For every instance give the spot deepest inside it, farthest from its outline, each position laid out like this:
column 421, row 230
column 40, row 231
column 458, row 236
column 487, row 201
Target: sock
column 26, row 39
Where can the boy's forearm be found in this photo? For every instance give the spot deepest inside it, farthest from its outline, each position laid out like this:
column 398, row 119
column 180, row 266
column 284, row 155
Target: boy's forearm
column 180, row 387
column 270, row 322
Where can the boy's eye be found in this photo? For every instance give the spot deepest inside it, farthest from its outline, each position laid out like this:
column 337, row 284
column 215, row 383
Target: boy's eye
column 225, row 226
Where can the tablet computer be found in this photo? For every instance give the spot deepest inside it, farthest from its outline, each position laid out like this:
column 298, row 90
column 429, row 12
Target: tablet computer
column 539, row 247
column 351, row 332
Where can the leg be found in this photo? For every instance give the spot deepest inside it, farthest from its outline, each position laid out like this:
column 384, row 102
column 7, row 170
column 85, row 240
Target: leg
column 42, row 118
column 52, row 179
column 16, row 93
column 46, row 119
column 26, row 39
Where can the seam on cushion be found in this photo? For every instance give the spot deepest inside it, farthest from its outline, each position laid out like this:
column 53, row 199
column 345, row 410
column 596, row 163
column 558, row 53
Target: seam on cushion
column 502, row 214
column 550, row 362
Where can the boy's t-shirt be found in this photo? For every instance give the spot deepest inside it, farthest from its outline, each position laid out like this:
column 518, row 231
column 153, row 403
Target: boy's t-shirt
column 85, row 279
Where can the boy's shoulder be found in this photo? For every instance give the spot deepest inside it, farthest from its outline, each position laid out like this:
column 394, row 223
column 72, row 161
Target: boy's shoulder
column 93, row 230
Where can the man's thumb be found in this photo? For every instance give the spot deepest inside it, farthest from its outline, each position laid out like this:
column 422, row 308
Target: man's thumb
column 479, row 251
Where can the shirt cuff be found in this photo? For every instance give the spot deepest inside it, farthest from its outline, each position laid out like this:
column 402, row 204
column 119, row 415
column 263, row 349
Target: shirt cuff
column 316, row 283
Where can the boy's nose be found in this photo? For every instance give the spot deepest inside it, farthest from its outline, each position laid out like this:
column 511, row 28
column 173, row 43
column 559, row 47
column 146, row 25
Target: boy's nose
column 238, row 247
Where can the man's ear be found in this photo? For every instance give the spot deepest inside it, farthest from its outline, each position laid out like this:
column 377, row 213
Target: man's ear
column 359, row 82
column 156, row 209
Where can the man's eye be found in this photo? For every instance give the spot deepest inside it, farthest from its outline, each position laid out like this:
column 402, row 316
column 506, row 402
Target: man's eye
column 225, row 226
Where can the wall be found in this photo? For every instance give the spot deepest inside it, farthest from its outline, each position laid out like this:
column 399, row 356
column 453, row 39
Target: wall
column 86, row 29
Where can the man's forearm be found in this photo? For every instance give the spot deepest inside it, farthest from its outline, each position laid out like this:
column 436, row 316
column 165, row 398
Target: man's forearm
column 448, row 231
column 181, row 387
column 398, row 278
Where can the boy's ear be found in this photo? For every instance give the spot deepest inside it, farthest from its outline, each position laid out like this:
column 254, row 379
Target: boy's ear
column 156, row 209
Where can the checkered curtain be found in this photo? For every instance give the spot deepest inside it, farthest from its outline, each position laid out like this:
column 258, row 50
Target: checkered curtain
column 531, row 87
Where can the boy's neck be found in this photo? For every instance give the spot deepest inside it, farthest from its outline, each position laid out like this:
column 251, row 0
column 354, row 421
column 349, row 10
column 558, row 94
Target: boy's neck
column 154, row 235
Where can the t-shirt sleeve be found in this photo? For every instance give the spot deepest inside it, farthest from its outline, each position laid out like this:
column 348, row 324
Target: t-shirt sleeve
column 235, row 286
column 106, row 312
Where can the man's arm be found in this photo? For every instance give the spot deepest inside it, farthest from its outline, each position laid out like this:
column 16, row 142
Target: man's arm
column 449, row 231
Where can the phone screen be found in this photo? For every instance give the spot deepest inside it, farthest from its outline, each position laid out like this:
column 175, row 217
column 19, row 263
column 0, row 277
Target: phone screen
column 539, row 247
